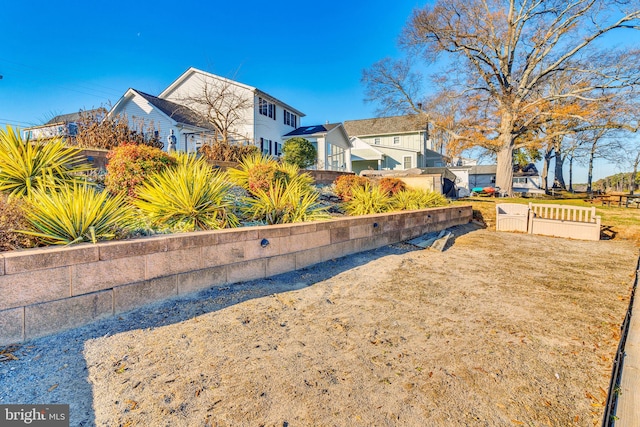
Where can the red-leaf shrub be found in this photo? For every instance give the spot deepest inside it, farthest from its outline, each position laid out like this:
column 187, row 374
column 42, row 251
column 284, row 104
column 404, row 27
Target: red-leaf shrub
column 344, row 185
column 130, row 164
column 391, row 186
column 263, row 175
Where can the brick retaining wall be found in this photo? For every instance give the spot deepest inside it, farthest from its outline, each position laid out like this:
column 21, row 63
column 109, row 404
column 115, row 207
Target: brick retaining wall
column 43, row 291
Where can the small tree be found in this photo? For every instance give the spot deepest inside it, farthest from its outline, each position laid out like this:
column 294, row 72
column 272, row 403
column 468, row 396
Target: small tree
column 300, row 152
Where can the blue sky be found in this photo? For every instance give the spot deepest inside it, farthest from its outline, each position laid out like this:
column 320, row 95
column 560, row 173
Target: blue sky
column 59, row 57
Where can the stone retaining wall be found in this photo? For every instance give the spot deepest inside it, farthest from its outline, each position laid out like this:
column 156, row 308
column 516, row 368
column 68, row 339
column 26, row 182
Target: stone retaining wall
column 43, row 291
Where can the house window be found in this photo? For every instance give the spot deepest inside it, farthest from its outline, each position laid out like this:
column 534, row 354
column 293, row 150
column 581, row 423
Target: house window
column 290, row 119
column 407, row 162
column 396, row 140
column 270, row 147
column 519, row 180
column 376, row 141
column 267, row 108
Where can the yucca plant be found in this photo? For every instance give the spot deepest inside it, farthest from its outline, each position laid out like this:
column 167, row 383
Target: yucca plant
column 27, row 165
column 258, row 172
column 242, row 174
column 76, row 213
column 367, row 200
column 284, row 203
column 343, row 185
column 190, row 196
column 412, row 199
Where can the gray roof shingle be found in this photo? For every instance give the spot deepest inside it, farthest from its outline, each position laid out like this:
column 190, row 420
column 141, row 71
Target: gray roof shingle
column 386, row 125
column 177, row 112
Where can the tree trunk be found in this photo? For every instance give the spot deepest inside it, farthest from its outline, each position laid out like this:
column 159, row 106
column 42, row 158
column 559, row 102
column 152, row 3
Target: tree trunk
column 504, row 170
column 634, row 174
column 571, row 174
column 590, row 169
column 558, row 180
column 548, row 155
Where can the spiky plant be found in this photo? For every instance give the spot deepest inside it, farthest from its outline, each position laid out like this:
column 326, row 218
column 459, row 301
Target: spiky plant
column 284, row 203
column 76, row 213
column 27, row 165
column 343, row 185
column 412, row 199
column 242, row 174
column 367, row 200
column 190, row 196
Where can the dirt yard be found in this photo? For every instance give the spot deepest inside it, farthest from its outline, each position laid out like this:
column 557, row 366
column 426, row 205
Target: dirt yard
column 499, row 329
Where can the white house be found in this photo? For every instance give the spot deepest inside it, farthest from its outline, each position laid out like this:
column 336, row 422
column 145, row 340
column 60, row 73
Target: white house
column 392, row 143
column 331, row 142
column 64, row 125
column 247, row 113
column 146, row 111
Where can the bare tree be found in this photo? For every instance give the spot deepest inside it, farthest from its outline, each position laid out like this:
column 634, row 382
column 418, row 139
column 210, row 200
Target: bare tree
column 503, row 54
column 223, row 107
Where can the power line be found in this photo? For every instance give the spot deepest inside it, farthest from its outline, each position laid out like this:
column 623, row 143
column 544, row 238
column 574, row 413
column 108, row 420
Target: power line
column 98, row 90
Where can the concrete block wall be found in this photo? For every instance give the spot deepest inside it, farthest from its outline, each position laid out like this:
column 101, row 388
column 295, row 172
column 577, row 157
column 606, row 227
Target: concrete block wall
column 43, row 291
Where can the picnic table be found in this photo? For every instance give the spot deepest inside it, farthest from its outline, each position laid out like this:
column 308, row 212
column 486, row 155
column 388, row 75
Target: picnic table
column 619, row 198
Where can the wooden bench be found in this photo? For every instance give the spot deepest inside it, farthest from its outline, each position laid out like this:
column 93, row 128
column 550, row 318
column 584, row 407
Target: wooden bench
column 574, row 222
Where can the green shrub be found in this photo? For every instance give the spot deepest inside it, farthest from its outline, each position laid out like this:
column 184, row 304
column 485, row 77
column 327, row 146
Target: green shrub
column 391, row 185
column 300, row 152
column 26, row 165
column 285, row 202
column 77, row 213
column 190, row 196
column 413, row 199
column 344, row 185
column 367, row 200
column 12, row 218
column 130, row 164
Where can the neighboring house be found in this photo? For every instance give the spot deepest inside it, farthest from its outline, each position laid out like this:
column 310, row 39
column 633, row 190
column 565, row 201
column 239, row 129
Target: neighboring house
column 64, row 125
column 146, row 112
column 331, row 142
column 248, row 114
column 403, row 142
column 366, row 157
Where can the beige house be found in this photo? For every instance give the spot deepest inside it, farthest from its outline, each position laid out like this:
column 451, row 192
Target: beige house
column 392, row 143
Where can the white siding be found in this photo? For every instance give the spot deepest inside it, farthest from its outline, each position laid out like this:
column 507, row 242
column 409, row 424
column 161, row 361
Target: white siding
column 142, row 115
column 193, row 87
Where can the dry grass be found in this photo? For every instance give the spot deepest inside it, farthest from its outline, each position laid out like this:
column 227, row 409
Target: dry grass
column 499, row 329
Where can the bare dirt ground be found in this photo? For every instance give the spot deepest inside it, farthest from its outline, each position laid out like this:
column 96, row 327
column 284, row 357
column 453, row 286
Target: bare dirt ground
column 499, row 329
